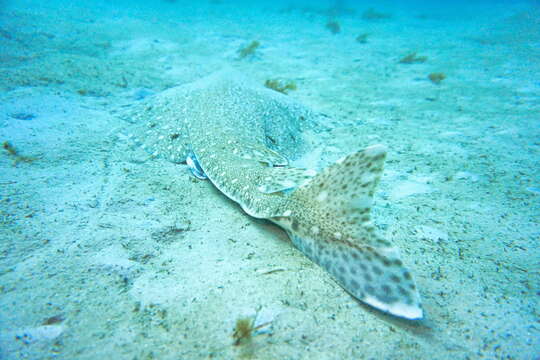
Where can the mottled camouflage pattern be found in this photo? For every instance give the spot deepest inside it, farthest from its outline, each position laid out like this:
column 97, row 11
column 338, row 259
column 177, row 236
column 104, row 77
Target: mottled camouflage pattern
column 241, row 135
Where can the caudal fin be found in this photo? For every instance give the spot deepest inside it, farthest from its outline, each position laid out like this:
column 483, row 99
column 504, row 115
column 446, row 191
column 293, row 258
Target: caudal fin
column 333, row 227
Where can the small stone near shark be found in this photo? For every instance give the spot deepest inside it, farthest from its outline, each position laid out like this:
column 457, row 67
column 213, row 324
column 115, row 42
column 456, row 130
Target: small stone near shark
column 240, row 136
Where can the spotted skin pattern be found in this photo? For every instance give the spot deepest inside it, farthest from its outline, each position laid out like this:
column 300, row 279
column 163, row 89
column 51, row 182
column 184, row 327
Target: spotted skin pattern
column 327, row 215
column 330, row 222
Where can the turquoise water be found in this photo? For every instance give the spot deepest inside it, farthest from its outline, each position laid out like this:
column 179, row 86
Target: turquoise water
column 110, row 248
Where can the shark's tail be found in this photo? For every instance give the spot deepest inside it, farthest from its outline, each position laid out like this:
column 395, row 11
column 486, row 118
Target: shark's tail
column 333, row 228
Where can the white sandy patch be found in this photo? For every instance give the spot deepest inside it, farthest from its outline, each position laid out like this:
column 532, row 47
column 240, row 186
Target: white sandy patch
column 149, row 290
column 113, row 257
column 447, row 134
column 465, row 175
column 432, row 234
column 142, row 45
column 35, row 337
column 407, row 188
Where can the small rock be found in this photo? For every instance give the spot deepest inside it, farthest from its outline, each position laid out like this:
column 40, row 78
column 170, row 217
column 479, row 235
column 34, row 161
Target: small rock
column 22, row 116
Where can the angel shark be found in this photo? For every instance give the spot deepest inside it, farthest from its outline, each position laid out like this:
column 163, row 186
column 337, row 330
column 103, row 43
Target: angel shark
column 239, row 136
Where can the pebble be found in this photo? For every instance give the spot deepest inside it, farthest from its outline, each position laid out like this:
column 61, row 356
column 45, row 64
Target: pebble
column 22, row 116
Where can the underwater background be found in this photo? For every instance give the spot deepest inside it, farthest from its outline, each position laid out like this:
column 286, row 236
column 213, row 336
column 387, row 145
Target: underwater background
column 109, row 252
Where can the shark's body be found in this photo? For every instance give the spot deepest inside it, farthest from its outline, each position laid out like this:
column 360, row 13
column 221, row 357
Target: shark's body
column 222, row 127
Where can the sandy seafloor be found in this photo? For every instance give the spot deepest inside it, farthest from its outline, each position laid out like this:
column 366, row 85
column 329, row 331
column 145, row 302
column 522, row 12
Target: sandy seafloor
column 109, row 254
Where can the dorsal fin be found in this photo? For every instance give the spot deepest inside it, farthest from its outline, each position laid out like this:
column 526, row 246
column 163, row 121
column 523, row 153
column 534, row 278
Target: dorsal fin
column 346, row 187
